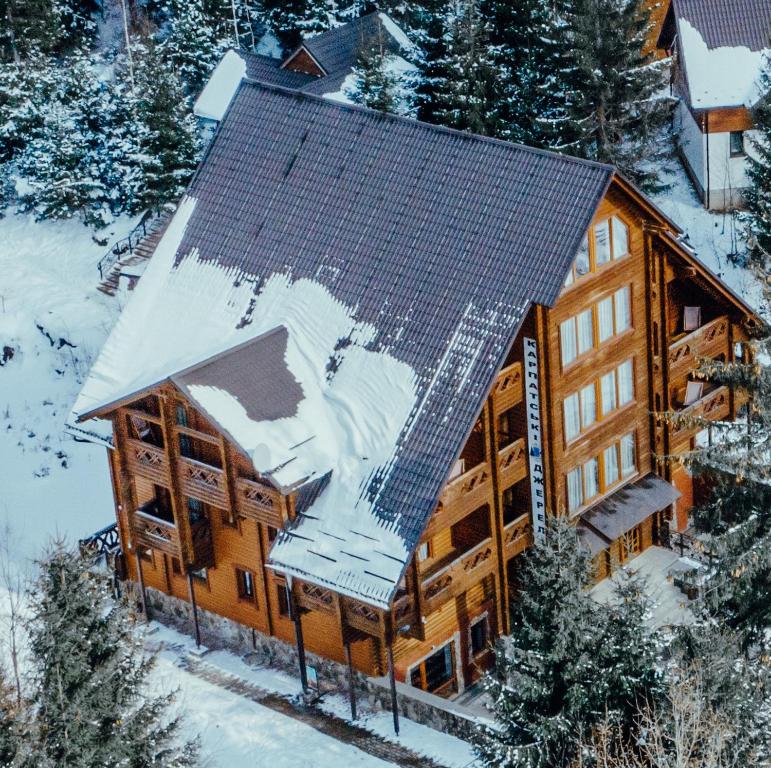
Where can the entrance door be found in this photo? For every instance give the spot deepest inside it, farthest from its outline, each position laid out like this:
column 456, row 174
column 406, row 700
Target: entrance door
column 631, row 544
column 436, row 674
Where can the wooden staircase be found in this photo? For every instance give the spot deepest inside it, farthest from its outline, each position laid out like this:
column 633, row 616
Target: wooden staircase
column 124, row 257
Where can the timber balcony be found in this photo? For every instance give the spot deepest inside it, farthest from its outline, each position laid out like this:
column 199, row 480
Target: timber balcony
column 508, row 390
column 710, row 340
column 148, row 460
column 260, row 503
column 450, row 579
column 152, row 526
column 517, row 536
column 714, row 405
column 461, row 496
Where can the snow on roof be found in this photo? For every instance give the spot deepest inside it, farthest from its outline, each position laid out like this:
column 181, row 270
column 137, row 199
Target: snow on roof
column 214, row 99
column 723, row 75
column 400, row 259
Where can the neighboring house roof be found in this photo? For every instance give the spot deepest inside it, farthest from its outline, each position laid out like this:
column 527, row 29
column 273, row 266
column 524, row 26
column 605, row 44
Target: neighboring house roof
column 401, row 259
column 724, row 45
column 336, row 51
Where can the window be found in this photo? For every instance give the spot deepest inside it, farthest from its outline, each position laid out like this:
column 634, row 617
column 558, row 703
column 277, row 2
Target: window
column 591, row 479
column 612, row 391
column 245, row 585
column 602, row 242
column 195, row 510
column 176, row 568
column 506, row 428
column 437, row 671
column 737, row 143
column 572, row 416
column 627, row 455
column 588, row 406
column 575, row 489
column 478, row 636
column 608, row 393
column 282, row 599
column 625, row 373
column 607, row 241
column 620, row 238
column 622, row 309
column 181, row 413
column 272, row 533
column 612, row 316
column 424, row 551
column 610, row 463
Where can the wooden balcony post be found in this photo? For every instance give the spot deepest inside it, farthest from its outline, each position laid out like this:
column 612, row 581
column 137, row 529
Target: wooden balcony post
column 141, row 576
column 191, row 592
column 298, row 633
column 392, row 673
column 351, row 688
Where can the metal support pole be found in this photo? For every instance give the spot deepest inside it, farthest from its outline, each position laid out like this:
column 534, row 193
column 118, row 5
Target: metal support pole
column 191, row 590
column 351, row 690
column 392, row 680
column 142, row 593
column 298, row 633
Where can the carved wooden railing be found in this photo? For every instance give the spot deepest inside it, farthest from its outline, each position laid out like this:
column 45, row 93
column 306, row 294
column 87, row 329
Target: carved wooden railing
column 259, row 502
column 715, row 405
column 151, row 531
column 315, row 598
column 458, row 576
column 460, row 497
column 517, row 536
column 203, row 481
column 363, row 617
column 709, row 340
column 147, row 460
column 512, row 463
column 507, row 390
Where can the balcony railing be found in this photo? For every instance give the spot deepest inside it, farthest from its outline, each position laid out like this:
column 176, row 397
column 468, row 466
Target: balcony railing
column 150, row 530
column 259, row 502
column 714, row 405
column 147, row 460
column 517, row 536
column 507, row 390
column 363, row 617
column 512, row 463
column 458, row 576
column 203, row 482
column 710, row 340
column 460, row 497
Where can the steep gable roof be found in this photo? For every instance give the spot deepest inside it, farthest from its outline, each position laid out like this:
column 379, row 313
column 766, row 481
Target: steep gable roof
column 400, row 257
column 724, row 45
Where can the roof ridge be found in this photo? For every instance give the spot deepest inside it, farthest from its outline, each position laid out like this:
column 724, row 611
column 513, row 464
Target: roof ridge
column 299, row 95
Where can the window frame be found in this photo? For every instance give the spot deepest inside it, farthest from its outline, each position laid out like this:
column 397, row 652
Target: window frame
column 241, row 572
column 483, row 619
column 591, row 240
column 736, row 152
column 571, row 325
column 603, row 487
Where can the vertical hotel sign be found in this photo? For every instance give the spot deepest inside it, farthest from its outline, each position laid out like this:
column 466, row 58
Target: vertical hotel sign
column 535, row 439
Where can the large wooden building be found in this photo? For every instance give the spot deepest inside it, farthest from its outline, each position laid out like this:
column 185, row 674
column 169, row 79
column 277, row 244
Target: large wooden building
column 367, row 359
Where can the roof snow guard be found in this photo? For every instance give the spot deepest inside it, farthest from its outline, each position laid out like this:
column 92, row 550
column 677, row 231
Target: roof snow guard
column 724, row 45
column 391, row 264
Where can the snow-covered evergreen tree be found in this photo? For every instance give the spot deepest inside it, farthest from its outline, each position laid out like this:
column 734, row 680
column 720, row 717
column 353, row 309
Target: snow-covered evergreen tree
column 613, row 90
column 563, row 666
column 9, row 737
column 89, row 668
column 459, row 87
column 758, row 195
column 193, row 43
column 737, row 468
column 30, row 25
column 169, row 144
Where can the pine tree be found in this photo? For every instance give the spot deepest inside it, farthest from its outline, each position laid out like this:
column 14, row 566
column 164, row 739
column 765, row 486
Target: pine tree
column 758, row 194
column 612, row 89
column 90, row 706
column 169, row 145
column 531, row 54
column 564, row 664
column 736, row 515
column 193, row 44
column 28, row 26
column 9, row 738
column 459, row 84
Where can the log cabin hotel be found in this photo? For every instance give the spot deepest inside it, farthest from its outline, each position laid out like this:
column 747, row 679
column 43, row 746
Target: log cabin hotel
column 368, row 358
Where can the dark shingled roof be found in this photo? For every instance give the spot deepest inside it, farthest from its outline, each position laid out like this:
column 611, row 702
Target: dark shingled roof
column 440, row 239
column 255, row 373
column 265, row 69
column 729, row 23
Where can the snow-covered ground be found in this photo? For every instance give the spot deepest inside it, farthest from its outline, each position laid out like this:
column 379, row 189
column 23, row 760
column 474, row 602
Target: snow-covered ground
column 53, row 321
